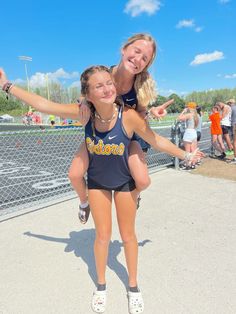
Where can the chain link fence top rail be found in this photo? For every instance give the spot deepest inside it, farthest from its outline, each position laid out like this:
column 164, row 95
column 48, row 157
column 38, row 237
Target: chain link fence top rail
column 34, row 165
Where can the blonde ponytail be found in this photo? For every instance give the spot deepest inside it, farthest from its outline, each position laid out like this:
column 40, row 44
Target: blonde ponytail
column 145, row 88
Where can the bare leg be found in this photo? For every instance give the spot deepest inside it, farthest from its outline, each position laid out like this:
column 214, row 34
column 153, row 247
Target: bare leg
column 218, row 143
column 228, row 141
column 193, row 147
column 221, row 143
column 234, row 140
column 138, row 166
column 126, row 213
column 77, row 171
column 187, row 148
column 100, row 203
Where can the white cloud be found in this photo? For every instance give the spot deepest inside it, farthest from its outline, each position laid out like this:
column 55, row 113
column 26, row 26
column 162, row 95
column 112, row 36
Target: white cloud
column 185, row 23
column 39, row 79
column 75, row 84
column 60, row 73
column 230, row 76
column 224, row 1
column 189, row 24
column 198, row 29
column 207, row 57
column 137, row 7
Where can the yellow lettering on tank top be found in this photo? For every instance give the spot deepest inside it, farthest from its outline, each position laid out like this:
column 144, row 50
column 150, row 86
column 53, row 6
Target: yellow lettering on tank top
column 104, row 149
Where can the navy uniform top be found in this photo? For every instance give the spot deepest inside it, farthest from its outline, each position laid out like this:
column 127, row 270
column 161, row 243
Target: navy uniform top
column 108, row 156
column 130, row 100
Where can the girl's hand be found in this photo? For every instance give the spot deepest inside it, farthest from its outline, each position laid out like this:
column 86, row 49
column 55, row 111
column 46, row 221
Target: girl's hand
column 3, row 78
column 196, row 155
column 84, row 112
column 160, row 111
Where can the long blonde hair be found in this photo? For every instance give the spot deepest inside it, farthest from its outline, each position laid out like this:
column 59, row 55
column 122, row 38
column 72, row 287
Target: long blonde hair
column 191, row 105
column 195, row 116
column 144, row 84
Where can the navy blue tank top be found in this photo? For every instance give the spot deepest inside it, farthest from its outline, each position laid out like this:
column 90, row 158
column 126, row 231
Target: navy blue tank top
column 130, row 100
column 108, row 156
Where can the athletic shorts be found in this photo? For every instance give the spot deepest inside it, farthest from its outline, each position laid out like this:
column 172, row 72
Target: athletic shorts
column 126, row 187
column 225, row 129
column 190, row 135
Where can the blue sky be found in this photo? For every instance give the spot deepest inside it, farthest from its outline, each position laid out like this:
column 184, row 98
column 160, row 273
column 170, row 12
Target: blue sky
column 196, row 46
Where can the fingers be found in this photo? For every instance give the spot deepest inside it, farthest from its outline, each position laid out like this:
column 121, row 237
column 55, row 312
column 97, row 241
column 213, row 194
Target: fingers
column 196, row 155
column 162, row 113
column 84, row 113
column 167, row 103
column 158, row 112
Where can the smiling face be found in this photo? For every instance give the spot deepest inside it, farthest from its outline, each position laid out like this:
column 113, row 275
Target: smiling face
column 101, row 89
column 138, row 55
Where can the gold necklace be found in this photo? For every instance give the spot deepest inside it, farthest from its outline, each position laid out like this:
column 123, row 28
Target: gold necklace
column 97, row 115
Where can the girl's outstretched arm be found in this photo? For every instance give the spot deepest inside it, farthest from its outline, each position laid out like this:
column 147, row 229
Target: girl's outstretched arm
column 39, row 103
column 134, row 123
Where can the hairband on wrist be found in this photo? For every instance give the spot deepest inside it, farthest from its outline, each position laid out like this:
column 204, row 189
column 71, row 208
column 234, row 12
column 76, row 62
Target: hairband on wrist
column 7, row 87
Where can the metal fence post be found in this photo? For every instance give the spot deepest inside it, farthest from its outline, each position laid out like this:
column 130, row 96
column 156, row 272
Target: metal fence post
column 177, row 144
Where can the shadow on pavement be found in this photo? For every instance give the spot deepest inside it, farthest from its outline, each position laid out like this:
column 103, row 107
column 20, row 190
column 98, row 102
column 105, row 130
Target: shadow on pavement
column 81, row 243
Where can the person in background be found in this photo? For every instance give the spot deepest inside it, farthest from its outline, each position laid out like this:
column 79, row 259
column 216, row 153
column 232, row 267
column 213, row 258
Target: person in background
column 52, row 119
column 226, row 125
column 189, row 115
column 216, row 131
column 108, row 171
column 25, row 120
column 199, row 126
column 136, row 90
column 231, row 102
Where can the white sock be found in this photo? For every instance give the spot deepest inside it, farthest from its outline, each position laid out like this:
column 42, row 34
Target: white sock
column 84, row 205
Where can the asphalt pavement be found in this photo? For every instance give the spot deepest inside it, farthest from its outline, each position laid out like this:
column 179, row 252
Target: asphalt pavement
column 187, row 255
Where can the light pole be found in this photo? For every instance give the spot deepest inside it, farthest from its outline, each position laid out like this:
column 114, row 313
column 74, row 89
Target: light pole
column 26, row 59
column 47, row 86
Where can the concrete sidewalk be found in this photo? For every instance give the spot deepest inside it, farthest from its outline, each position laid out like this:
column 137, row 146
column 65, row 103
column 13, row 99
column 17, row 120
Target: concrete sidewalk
column 186, row 227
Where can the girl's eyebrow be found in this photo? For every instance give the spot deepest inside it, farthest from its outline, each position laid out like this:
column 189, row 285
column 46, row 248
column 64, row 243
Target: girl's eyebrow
column 137, row 48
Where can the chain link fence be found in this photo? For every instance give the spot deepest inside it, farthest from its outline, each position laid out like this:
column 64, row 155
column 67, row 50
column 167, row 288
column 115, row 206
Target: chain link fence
column 34, row 164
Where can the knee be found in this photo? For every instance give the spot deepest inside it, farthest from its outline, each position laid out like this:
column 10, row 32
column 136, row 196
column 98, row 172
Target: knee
column 142, row 182
column 75, row 175
column 128, row 237
column 72, row 175
column 103, row 238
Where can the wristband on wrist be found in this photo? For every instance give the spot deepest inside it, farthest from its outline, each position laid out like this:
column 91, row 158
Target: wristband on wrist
column 7, row 87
